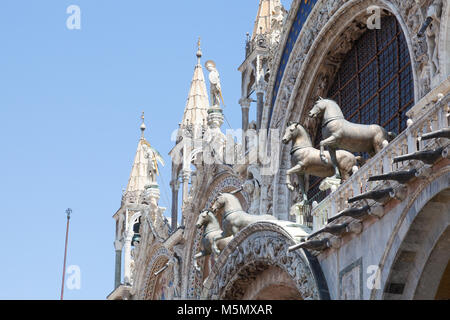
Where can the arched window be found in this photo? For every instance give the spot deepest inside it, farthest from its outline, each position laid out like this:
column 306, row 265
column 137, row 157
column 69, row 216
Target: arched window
column 374, row 83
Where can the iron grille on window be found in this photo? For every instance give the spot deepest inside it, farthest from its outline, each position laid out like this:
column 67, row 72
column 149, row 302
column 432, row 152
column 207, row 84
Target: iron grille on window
column 373, row 85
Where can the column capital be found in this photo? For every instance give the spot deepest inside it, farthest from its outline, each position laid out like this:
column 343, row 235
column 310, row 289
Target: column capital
column 118, row 245
column 129, row 235
column 245, row 102
column 186, row 174
column 261, row 86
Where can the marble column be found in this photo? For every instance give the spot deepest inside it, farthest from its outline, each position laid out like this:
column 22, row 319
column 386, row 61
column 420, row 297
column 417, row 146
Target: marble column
column 259, row 108
column 245, row 107
column 127, row 257
column 118, row 245
column 186, row 176
column 260, row 88
column 175, row 185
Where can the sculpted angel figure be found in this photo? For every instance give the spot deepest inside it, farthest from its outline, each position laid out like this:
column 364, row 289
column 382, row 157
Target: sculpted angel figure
column 153, row 157
column 214, row 79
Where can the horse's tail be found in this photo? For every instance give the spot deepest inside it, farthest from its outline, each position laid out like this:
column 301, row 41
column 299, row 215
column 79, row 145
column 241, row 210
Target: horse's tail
column 391, row 136
column 360, row 161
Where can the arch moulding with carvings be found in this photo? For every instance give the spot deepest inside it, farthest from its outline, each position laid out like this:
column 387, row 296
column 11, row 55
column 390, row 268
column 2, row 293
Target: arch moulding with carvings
column 255, row 249
column 157, row 259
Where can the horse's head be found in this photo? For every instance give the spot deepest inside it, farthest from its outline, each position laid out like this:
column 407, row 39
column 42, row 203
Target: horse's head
column 203, row 219
column 318, row 108
column 326, row 107
column 291, row 132
column 218, row 203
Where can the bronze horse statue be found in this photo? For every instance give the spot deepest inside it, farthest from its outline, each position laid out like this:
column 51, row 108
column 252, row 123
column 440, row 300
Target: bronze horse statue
column 206, row 218
column 306, row 159
column 234, row 218
column 339, row 133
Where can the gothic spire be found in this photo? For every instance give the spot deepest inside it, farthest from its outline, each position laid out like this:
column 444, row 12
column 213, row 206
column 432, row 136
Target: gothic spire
column 195, row 112
column 263, row 22
column 139, row 171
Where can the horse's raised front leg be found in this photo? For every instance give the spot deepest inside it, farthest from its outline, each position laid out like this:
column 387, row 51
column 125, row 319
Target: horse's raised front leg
column 214, row 242
column 328, row 141
column 294, row 169
column 337, row 174
column 302, row 187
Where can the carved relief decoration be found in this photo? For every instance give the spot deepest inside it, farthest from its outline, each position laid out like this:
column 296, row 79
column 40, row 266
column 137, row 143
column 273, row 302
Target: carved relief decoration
column 254, row 249
column 158, row 259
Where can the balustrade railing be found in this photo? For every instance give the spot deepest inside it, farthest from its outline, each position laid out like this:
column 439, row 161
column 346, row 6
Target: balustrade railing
column 408, row 141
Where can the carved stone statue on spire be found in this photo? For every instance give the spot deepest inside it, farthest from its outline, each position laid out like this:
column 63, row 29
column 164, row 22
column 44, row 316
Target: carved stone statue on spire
column 152, row 157
column 214, row 79
column 151, row 165
column 279, row 16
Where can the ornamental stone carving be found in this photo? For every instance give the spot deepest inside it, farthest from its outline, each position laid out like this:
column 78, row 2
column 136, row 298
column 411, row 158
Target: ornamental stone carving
column 434, row 13
column 252, row 186
column 254, row 249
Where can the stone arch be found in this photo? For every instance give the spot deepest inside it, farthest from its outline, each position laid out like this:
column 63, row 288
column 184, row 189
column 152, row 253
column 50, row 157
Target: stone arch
column 159, row 257
column 316, row 55
column 134, row 219
column 434, row 282
column 256, row 264
column 272, row 283
column 420, row 235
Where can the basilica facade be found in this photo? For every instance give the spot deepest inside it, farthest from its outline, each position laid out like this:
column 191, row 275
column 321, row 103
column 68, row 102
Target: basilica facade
column 259, row 219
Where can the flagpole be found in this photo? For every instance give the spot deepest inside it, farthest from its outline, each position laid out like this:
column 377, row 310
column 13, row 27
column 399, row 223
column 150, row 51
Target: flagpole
column 68, row 212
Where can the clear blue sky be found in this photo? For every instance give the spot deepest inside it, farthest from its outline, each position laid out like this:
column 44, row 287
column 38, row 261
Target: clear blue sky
column 70, row 106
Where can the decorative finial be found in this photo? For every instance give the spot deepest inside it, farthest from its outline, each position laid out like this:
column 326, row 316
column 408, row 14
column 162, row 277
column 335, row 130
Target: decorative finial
column 68, row 212
column 199, row 51
column 143, row 127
